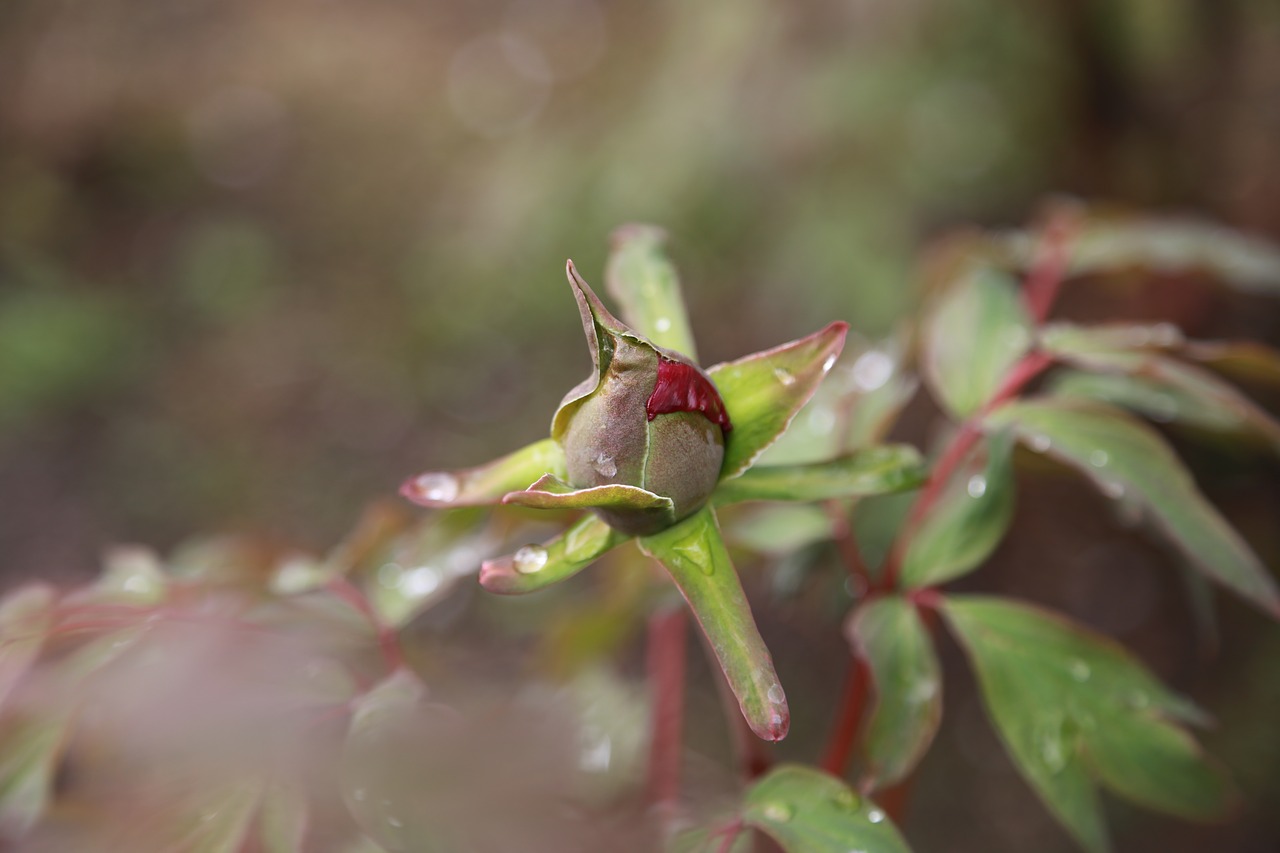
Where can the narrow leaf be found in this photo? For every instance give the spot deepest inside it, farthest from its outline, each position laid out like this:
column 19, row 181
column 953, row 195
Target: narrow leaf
column 969, row 521
column 888, row 634
column 694, row 554
column 534, row 567
column 26, row 615
column 807, row 811
column 550, row 492
column 763, row 392
column 1075, row 709
column 871, row 471
column 641, row 277
column 976, row 332
column 1126, row 458
column 29, row 751
column 282, row 819
column 486, row 484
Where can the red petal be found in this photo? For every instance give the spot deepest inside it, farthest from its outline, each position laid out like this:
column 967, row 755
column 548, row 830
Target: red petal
column 683, row 388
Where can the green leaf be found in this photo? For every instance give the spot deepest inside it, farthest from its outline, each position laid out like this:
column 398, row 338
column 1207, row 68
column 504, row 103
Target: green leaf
column 1115, row 245
column 967, row 523
column 974, row 334
column 26, row 615
column 871, row 471
column 1069, row 340
column 640, row 276
column 282, row 819
column 1126, row 458
column 221, row 823
column 1165, row 388
column 889, row 635
column 486, row 484
column 1247, row 360
column 763, row 391
column 550, row 492
column 534, row 567
column 777, row 529
column 853, row 408
column 30, row 748
column 693, row 553
column 807, row 811
column 422, row 565
column 1075, row 709
column 1148, row 397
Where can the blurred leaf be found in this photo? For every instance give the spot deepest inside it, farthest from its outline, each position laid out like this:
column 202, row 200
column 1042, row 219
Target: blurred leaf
column 1075, row 710
column 1189, row 393
column 26, row 615
column 1126, row 458
column 486, row 484
column 1249, row 264
column 778, row 529
column 282, row 819
column 1151, row 398
column 1068, row 339
column 646, row 284
column 854, row 407
column 807, row 811
column 889, row 635
column 30, row 747
column 968, row 522
column 763, row 391
column 536, row 566
column 977, row 331
column 870, row 471
column 693, row 553
column 876, row 523
column 1247, row 360
column 221, row 825
column 711, row 840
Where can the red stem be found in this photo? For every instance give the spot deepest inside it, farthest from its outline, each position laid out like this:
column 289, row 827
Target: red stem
column 1050, row 265
column 853, row 705
column 665, row 660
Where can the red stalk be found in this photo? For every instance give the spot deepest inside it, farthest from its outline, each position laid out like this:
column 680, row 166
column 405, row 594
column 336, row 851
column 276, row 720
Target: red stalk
column 665, row 661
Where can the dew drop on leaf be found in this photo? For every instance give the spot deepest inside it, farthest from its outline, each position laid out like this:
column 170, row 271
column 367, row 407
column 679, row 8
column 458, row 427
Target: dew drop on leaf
column 1113, row 489
column 605, row 466
column 779, row 812
column 786, row 377
column 662, row 324
column 1039, row 443
column 846, row 799
column 1079, row 670
column 872, row 369
column 437, row 486
column 775, row 694
column 977, row 486
column 529, row 559
column 875, row 815
column 829, row 363
column 1098, row 458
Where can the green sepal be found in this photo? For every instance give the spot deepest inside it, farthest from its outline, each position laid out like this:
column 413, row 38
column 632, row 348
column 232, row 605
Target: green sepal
column 694, row 554
column 486, row 484
column 537, row 566
column 871, row 471
column 763, row 391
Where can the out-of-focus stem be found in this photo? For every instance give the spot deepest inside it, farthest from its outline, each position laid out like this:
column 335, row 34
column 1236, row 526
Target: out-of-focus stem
column 853, row 706
column 665, row 660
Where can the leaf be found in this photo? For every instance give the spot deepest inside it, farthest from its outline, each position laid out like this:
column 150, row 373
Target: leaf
column 1245, row 359
column 854, row 407
column 1068, row 339
column 422, row 565
column 693, row 553
column 26, row 615
column 282, row 819
column 889, row 635
column 778, row 529
column 967, row 523
column 645, row 282
column 486, row 484
column 871, row 471
column 763, row 391
column 1075, row 709
column 1148, row 397
column 1126, row 458
column 221, row 824
column 1103, row 245
column 807, row 811
column 30, row 748
column 1165, row 387
column 974, row 334
column 534, row 567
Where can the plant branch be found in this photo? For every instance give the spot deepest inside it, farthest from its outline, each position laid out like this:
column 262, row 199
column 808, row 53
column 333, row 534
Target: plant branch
column 665, row 661
column 853, row 706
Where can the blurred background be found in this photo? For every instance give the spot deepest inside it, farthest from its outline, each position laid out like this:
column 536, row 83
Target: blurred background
column 262, row 259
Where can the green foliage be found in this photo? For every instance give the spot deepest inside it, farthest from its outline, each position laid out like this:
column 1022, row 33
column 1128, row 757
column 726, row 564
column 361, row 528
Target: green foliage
column 311, row 701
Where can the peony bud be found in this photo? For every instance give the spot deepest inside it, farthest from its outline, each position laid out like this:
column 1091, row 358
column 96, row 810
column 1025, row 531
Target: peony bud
column 647, row 417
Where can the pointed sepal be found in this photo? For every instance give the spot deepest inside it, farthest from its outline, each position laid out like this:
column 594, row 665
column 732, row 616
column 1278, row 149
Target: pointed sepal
column 763, row 391
column 486, row 484
column 694, row 554
column 534, row 567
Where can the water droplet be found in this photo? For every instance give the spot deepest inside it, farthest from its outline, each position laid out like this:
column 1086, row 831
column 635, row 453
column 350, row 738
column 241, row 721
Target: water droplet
column 1049, row 744
column 872, row 369
column 597, row 755
column 529, row 559
column 875, row 816
column 829, row 363
column 1098, row 458
column 605, row 466
column 1039, row 442
column 846, row 799
column 437, row 486
column 1080, row 670
column 923, row 692
column 662, row 324
column 784, row 376
column 775, row 694
column 419, row 582
column 1112, row 488
column 779, row 812
column 977, row 486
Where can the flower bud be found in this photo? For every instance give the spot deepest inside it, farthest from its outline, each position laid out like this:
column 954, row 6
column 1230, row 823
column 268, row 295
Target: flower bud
column 647, row 417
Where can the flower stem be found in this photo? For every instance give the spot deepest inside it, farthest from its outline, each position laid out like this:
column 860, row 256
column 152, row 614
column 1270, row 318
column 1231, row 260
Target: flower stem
column 853, row 706
column 665, row 661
